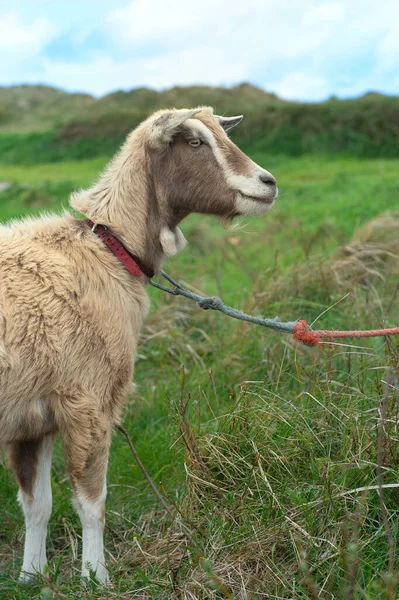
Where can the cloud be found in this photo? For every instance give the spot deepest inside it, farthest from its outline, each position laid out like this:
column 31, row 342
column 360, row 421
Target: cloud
column 300, row 86
column 21, row 41
column 319, row 15
column 19, row 38
column 257, row 30
column 102, row 73
column 388, row 48
column 177, row 21
column 160, row 43
column 302, row 49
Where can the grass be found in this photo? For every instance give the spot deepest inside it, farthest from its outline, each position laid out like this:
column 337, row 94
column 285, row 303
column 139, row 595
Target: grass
column 272, row 462
column 80, row 172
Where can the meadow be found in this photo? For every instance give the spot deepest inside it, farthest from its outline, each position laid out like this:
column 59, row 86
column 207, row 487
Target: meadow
column 279, row 462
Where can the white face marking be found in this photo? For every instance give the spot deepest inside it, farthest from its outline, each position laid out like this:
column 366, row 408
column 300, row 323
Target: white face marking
column 254, row 197
column 92, row 518
column 37, row 514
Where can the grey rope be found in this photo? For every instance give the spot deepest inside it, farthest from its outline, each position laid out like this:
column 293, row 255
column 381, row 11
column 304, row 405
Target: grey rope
column 215, row 303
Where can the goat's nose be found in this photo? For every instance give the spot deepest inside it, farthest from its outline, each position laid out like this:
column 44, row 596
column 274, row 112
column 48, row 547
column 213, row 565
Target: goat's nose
column 267, row 178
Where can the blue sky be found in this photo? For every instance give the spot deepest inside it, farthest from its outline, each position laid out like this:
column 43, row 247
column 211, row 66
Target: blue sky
column 299, row 49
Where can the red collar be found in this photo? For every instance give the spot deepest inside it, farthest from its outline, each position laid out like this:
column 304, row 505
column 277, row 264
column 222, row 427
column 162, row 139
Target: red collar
column 132, row 263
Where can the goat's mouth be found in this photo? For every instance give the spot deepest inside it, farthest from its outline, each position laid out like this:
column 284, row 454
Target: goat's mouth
column 263, row 199
column 248, row 205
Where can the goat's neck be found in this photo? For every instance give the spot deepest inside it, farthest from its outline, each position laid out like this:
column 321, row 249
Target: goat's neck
column 125, row 201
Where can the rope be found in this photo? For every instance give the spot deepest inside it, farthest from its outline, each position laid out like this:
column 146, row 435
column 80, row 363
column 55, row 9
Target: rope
column 299, row 329
column 215, row 303
column 303, row 333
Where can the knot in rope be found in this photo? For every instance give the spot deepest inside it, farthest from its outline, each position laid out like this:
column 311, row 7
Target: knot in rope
column 303, row 333
column 212, row 302
column 300, row 329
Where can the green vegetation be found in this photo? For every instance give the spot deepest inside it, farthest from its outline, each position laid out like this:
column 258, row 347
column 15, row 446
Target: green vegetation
column 271, row 462
column 54, row 126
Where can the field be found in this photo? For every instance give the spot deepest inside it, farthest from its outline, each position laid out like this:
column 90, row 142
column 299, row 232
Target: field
column 279, row 462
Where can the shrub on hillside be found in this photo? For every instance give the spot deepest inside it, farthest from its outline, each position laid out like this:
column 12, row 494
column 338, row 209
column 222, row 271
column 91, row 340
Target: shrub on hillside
column 115, row 125
column 365, row 127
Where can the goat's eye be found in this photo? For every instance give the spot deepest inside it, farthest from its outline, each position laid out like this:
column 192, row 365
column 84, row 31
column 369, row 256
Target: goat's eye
column 195, row 143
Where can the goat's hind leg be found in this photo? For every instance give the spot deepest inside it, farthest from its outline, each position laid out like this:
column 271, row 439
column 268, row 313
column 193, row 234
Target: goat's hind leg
column 86, row 450
column 31, row 462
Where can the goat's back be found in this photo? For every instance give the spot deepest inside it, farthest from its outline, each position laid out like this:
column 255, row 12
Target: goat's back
column 69, row 321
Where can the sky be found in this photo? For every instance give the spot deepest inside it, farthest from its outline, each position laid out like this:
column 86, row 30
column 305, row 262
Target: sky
column 300, row 49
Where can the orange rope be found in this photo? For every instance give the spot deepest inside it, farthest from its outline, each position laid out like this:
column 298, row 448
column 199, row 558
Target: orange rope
column 303, row 333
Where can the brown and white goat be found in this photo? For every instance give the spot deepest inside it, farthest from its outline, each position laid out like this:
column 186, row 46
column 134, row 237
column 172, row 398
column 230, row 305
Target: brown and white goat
column 70, row 313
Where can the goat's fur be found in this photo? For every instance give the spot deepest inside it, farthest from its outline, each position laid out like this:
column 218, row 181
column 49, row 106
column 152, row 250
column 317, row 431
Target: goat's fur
column 70, row 314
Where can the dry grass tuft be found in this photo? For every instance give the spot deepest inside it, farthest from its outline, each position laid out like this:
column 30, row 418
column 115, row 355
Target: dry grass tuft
column 370, row 258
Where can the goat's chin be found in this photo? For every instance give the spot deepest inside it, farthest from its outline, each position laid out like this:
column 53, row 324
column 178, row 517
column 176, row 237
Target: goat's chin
column 252, row 207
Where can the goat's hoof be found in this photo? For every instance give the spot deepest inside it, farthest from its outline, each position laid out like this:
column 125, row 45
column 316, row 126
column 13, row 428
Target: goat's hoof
column 99, row 578
column 27, row 578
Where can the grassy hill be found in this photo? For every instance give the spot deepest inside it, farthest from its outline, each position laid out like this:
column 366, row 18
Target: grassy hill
column 37, row 107
column 280, row 460
column 30, row 108
column 41, row 124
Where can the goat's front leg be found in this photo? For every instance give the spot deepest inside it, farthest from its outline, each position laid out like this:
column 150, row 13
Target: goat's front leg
column 31, row 462
column 86, row 450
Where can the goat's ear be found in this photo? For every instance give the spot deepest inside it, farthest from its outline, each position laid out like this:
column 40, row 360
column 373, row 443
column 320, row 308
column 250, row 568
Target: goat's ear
column 229, row 122
column 172, row 241
column 164, row 127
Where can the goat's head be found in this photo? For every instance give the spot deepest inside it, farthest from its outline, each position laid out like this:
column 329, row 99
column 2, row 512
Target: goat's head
column 175, row 163
column 197, row 168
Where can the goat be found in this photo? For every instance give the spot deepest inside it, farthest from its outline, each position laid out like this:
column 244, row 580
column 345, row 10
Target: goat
column 70, row 313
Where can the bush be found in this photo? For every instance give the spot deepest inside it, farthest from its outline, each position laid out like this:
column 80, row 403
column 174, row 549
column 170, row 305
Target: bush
column 366, row 127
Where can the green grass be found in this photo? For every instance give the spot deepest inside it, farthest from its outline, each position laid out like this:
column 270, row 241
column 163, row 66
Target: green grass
column 79, row 173
column 39, row 147
column 321, row 203
column 264, row 471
